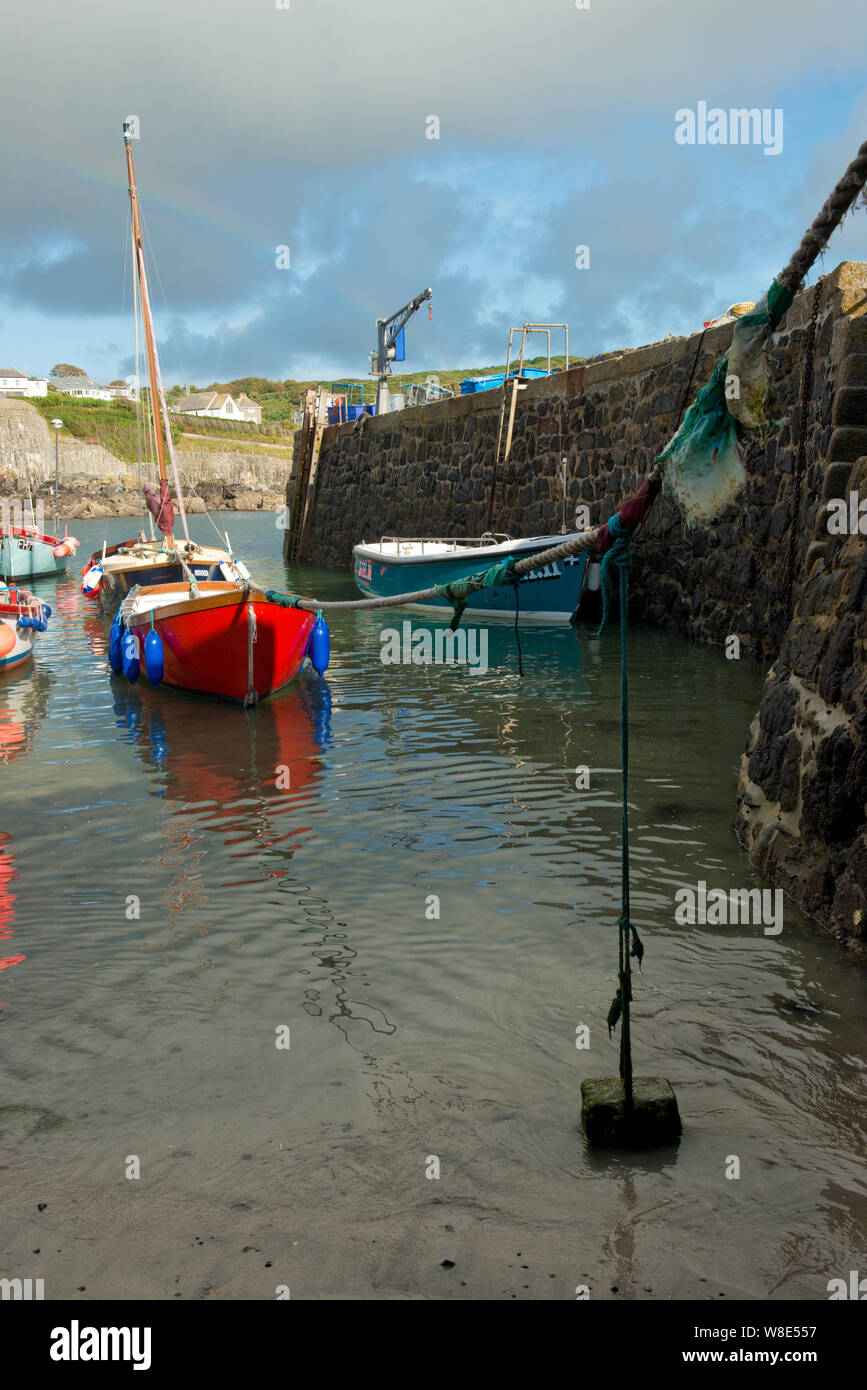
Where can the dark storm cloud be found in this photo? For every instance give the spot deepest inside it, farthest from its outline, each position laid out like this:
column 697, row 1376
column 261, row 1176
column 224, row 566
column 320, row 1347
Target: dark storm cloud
column 306, row 127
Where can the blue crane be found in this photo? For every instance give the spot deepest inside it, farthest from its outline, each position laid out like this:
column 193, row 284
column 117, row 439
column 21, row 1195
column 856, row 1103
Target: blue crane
column 390, row 346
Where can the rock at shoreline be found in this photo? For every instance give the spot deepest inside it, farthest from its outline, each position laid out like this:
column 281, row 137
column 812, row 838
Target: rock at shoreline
column 107, row 500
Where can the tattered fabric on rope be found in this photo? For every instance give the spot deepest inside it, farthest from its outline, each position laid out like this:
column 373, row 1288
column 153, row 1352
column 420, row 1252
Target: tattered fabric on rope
column 703, row 460
column 459, row 590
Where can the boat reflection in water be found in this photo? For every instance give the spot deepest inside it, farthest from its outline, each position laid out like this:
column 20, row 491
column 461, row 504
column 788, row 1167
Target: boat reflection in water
column 231, row 781
column 7, row 914
column 256, row 765
column 23, row 707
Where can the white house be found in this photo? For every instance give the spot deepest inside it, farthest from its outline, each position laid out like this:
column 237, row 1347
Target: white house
column 81, row 386
column 249, row 409
column 121, row 390
column 215, row 404
column 15, row 383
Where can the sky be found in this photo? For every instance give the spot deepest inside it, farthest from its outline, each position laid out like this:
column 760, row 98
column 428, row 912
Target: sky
column 471, row 146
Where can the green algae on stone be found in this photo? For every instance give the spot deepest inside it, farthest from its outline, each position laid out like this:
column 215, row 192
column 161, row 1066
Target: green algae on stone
column 655, row 1118
column 23, row 1121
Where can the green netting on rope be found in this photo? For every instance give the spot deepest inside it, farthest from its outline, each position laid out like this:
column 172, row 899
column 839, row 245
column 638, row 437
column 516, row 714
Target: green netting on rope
column 619, row 555
column 703, row 460
column 284, row 600
column 459, row 590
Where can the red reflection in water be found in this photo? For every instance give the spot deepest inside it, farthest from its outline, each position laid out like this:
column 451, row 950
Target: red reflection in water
column 76, row 610
column 7, row 903
column 13, row 732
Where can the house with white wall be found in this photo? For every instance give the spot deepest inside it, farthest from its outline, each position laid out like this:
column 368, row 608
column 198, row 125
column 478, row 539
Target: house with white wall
column 121, row 390
column 249, row 409
column 217, row 405
column 15, row 383
column 81, row 386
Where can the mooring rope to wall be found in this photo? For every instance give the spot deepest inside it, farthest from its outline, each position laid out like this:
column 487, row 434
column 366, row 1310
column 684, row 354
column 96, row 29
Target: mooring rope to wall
column 460, row 589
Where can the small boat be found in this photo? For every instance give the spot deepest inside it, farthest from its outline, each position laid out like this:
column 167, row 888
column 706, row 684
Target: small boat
column 144, row 561
column 402, row 565
column 25, row 553
column 213, row 638
column 110, row 574
column 22, row 618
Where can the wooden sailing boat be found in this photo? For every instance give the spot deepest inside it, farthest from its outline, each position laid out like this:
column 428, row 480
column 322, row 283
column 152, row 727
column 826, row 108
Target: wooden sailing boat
column 212, row 636
column 223, row 639
column 109, row 575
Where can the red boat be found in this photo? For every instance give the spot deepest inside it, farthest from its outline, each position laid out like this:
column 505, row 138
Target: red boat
column 222, row 637
column 219, row 638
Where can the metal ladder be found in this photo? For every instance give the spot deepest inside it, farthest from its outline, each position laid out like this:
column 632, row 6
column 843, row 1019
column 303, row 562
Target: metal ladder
column 314, row 421
column 509, row 405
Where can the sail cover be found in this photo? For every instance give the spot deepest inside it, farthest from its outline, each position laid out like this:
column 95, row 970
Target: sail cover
column 160, row 507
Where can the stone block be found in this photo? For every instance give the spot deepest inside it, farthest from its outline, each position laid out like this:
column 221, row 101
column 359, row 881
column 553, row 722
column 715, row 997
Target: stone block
column 854, row 370
column 850, row 407
column 654, row 1118
column 836, row 484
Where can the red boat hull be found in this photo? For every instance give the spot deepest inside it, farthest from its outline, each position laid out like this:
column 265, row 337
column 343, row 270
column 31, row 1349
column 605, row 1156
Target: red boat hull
column 207, row 649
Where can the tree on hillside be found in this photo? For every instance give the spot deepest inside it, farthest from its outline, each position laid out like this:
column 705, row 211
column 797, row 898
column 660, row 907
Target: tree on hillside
column 66, row 369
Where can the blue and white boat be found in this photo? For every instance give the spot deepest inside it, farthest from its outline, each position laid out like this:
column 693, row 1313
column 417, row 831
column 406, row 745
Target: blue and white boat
column 401, row 565
column 25, row 553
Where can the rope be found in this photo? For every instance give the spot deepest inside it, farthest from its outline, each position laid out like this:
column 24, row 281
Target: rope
column 833, row 211
column 585, row 541
column 188, row 573
column 517, row 633
column 629, row 943
column 689, row 383
column 251, row 698
column 623, row 561
column 620, row 554
column 801, row 454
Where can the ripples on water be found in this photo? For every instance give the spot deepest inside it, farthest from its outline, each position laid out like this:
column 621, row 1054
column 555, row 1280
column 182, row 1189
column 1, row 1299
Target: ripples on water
column 306, row 906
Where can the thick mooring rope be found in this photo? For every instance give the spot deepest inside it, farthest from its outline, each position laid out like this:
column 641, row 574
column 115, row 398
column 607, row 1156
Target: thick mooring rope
column 585, row 541
column 815, row 239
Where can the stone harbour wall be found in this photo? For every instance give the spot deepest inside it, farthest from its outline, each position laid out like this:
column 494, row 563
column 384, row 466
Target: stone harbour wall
column 427, row 472
column 803, row 783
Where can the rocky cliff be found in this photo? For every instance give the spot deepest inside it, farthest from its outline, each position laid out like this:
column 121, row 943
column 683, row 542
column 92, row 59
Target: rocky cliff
column 93, row 483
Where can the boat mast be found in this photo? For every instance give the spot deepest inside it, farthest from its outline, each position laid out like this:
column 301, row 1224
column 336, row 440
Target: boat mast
column 146, row 314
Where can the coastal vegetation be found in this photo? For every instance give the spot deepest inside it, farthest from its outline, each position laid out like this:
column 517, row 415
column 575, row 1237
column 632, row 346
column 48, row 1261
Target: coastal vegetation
column 113, row 423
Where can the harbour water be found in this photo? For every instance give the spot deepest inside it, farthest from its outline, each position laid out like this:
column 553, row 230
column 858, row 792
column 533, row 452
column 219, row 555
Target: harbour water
column 319, row 969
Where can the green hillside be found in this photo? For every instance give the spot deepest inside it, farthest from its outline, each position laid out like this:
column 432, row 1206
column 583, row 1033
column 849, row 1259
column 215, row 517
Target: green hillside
column 113, row 423
column 279, row 399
